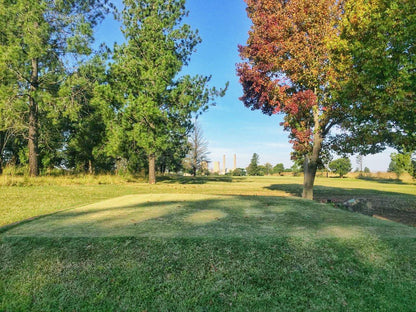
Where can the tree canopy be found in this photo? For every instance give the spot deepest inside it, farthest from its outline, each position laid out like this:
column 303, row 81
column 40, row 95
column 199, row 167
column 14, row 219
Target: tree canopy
column 333, row 64
column 287, row 70
column 340, row 166
column 37, row 41
column 156, row 105
column 114, row 109
column 375, row 57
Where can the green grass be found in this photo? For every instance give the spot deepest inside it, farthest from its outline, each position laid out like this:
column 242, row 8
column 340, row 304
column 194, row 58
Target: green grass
column 204, row 245
column 48, row 195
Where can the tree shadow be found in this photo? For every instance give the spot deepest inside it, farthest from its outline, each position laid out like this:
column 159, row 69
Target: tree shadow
column 394, row 206
column 212, row 215
column 383, row 180
column 274, row 252
column 196, row 180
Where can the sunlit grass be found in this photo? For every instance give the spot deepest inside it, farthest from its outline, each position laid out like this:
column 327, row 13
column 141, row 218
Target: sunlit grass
column 244, row 244
column 22, row 202
column 189, row 215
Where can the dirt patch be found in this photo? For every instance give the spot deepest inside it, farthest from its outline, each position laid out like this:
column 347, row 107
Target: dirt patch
column 392, row 208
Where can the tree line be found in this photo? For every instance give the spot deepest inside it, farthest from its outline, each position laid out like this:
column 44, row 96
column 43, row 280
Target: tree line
column 64, row 104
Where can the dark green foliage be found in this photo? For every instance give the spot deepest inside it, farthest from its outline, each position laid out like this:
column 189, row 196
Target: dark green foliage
column 238, row 172
column 253, row 167
column 86, row 132
column 279, row 168
column 36, row 40
column 155, row 106
column 340, row 166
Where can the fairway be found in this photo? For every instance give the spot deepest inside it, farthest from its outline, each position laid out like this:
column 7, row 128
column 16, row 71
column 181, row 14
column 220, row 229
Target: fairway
column 205, row 244
column 188, row 215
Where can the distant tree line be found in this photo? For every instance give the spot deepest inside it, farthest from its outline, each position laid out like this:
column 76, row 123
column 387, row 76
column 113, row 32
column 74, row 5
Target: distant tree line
column 255, row 169
column 125, row 108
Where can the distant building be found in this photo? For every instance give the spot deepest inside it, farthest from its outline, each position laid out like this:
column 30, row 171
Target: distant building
column 235, row 162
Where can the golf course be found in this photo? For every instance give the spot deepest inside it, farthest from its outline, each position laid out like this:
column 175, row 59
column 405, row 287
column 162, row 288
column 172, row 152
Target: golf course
column 205, row 244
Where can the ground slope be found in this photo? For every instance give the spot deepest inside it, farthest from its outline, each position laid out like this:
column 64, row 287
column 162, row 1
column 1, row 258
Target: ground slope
column 181, row 252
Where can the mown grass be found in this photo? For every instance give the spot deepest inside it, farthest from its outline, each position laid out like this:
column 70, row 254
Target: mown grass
column 50, row 194
column 205, row 245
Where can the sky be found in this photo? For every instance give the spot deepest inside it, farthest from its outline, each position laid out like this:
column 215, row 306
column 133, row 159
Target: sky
column 229, row 127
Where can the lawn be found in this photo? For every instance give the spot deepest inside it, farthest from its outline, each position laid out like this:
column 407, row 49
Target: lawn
column 215, row 244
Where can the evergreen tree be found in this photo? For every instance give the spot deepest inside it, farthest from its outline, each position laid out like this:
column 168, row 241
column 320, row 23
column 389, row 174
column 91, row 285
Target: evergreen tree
column 253, row 167
column 156, row 106
column 37, row 39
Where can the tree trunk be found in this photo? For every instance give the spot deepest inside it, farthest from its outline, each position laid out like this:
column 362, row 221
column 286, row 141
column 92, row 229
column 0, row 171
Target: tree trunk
column 33, row 122
column 309, row 170
column 90, row 169
column 310, row 164
column 2, row 140
column 152, row 172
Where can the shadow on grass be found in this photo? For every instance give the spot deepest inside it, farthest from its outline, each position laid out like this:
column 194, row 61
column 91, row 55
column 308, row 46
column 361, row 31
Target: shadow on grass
column 383, row 180
column 321, row 191
column 395, row 206
column 195, row 180
column 248, row 216
column 265, row 254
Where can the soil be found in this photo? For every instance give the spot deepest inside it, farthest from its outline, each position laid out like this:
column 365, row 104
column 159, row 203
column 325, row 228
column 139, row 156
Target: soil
column 391, row 208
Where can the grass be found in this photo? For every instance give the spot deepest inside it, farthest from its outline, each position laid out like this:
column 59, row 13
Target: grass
column 49, row 195
column 204, row 245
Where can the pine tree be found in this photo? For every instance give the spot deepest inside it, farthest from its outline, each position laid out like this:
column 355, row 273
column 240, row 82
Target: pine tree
column 156, row 106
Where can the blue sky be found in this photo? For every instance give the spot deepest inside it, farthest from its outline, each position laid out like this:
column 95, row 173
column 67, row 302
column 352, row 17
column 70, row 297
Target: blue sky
column 229, row 127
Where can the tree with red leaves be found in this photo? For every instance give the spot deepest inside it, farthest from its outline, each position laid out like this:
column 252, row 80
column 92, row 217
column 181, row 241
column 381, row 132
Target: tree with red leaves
column 287, row 69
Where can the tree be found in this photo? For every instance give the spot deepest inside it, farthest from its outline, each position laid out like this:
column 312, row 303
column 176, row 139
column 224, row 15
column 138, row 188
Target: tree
column 86, row 127
column 296, row 169
column 198, row 150
column 261, row 170
column 375, row 57
column 268, row 168
column 341, row 166
column 253, row 167
column 400, row 163
column 155, row 103
column 238, row 172
column 288, row 69
column 37, row 39
column 279, row 168
column 359, row 161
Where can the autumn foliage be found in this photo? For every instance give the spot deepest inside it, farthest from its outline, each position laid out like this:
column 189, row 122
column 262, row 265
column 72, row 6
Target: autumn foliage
column 287, row 69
